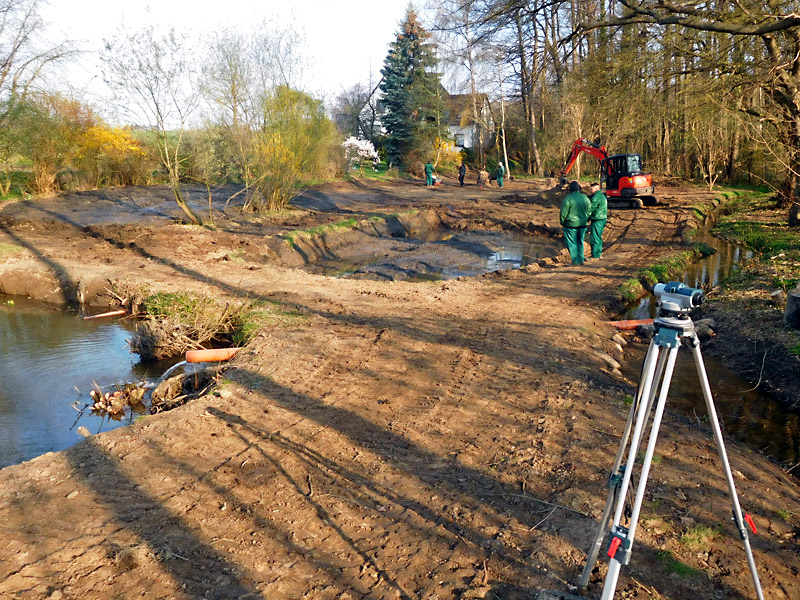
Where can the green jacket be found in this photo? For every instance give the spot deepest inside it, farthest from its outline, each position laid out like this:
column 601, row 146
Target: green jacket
column 574, row 210
column 500, row 172
column 599, row 209
column 428, row 169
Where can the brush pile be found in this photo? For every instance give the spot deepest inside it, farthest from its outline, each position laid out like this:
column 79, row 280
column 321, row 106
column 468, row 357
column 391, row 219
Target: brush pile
column 175, row 323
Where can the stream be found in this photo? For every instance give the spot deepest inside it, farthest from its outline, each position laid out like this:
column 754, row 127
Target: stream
column 747, row 414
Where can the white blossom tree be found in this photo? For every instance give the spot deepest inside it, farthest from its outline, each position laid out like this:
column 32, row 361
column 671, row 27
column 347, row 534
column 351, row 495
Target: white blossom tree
column 359, row 152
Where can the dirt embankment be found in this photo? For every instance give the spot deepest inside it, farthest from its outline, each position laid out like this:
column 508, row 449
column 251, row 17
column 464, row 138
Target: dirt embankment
column 402, row 440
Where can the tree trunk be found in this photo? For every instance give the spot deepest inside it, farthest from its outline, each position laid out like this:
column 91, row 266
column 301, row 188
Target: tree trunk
column 794, row 215
column 733, row 156
column 787, row 190
column 791, row 315
column 536, row 158
column 176, row 190
column 525, row 91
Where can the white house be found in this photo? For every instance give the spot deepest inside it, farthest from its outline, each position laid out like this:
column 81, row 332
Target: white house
column 462, row 124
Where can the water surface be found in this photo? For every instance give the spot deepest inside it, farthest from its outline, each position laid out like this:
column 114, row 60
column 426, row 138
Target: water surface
column 48, row 361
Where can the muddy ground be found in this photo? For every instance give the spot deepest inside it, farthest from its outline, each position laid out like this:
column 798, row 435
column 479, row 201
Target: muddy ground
column 400, row 439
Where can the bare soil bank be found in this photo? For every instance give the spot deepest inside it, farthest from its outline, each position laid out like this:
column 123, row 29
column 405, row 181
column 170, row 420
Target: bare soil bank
column 401, row 440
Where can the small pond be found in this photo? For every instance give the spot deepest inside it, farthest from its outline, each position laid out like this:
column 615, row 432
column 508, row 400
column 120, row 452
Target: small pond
column 48, row 361
column 441, row 254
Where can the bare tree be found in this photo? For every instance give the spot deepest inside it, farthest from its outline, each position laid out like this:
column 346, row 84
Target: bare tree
column 24, row 58
column 355, row 110
column 228, row 77
column 277, row 51
column 463, row 47
column 153, row 82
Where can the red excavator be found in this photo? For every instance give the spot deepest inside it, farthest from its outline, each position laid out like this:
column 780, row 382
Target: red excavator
column 621, row 175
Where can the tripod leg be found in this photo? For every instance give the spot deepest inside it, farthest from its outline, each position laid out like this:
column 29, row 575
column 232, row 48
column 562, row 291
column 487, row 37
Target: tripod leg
column 615, row 477
column 648, row 387
column 622, row 540
column 723, row 455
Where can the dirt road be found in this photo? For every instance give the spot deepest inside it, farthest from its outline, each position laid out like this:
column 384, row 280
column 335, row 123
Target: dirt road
column 400, row 440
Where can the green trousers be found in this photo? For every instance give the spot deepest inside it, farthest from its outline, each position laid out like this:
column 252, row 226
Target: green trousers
column 573, row 238
column 500, row 182
column 596, row 237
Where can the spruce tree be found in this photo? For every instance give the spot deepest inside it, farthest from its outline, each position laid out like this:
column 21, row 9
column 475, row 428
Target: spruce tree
column 409, row 90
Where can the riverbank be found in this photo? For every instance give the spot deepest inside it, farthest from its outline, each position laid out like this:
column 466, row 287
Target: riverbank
column 750, row 304
column 445, row 439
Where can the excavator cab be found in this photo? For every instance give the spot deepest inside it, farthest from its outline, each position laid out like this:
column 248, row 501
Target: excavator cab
column 622, row 175
column 625, row 179
column 613, row 168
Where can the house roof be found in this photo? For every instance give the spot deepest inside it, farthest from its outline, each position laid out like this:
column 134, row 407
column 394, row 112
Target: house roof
column 460, row 108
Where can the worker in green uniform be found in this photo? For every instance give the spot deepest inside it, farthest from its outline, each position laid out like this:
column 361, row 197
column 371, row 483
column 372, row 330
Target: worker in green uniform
column 429, row 174
column 499, row 174
column 574, row 213
column 598, row 213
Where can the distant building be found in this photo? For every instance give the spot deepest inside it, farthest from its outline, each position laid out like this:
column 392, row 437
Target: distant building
column 462, row 122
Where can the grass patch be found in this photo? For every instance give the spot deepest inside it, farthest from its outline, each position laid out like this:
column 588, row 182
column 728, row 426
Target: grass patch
column 9, row 250
column 668, row 268
column 676, row 566
column 627, row 400
column 784, row 515
column 347, row 225
column 765, row 237
column 654, row 462
column 381, row 173
column 631, row 290
column 755, row 222
column 700, row 212
column 698, row 537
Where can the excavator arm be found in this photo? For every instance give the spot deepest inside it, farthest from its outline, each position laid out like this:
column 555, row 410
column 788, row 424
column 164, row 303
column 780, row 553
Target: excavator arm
column 582, row 145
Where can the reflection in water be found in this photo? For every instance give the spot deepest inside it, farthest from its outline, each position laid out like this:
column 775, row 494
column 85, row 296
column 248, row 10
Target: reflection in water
column 705, row 274
column 747, row 415
column 45, row 355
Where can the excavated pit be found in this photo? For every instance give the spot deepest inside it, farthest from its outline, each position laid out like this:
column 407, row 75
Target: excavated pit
column 421, row 247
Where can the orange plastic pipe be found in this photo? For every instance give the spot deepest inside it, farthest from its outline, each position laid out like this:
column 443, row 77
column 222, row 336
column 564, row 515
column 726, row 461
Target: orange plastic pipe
column 212, row 355
column 632, row 324
column 112, row 313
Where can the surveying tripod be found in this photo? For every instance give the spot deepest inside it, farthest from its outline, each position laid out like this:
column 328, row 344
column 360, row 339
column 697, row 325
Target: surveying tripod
column 673, row 328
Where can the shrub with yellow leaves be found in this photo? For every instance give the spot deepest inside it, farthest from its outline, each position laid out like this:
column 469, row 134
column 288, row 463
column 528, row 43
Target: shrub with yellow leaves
column 108, row 156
